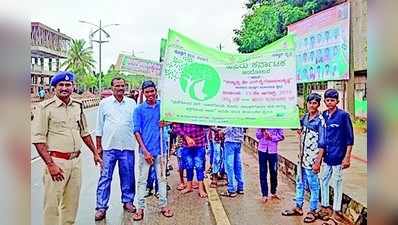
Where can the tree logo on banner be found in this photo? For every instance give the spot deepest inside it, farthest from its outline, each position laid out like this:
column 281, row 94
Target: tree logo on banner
column 200, row 81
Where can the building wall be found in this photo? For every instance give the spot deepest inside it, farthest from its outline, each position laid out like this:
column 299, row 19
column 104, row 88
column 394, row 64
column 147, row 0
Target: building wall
column 359, row 12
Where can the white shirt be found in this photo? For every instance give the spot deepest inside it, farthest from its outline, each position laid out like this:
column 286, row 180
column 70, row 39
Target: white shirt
column 115, row 124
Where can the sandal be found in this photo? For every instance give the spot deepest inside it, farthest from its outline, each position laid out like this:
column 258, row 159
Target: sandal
column 241, row 192
column 229, row 194
column 334, row 222
column 167, row 212
column 310, row 217
column 186, row 191
column 181, row 187
column 292, row 212
column 275, row 196
column 139, row 215
column 323, row 215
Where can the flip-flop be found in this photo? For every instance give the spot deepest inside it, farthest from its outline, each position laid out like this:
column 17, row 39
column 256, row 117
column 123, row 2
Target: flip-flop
column 141, row 216
column 334, row 222
column 167, row 212
column 310, row 217
column 323, row 215
column 181, row 187
column 291, row 212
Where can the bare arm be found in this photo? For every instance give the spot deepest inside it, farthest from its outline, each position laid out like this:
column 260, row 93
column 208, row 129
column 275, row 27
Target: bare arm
column 147, row 155
column 43, row 152
column 90, row 144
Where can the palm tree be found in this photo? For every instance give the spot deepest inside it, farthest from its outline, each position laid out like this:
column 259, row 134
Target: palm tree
column 80, row 58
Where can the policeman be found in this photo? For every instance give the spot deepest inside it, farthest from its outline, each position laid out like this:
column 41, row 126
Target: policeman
column 58, row 127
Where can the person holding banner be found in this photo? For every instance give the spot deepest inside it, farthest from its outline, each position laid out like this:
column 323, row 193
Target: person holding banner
column 233, row 139
column 268, row 154
column 311, row 144
column 193, row 154
column 147, row 133
column 338, row 139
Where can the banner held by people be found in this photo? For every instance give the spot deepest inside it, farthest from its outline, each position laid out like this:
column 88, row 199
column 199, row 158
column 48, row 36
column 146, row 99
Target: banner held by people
column 201, row 85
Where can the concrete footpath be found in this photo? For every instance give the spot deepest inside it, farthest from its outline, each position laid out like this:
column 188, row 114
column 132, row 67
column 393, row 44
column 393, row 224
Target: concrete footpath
column 354, row 178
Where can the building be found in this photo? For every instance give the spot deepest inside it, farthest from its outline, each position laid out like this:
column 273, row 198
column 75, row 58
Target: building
column 48, row 48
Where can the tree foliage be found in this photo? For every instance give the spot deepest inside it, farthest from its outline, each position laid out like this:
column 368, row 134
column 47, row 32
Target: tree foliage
column 267, row 20
column 80, row 58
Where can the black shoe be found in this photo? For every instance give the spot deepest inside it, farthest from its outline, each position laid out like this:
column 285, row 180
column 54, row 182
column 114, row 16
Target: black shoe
column 168, row 188
column 170, row 167
column 148, row 193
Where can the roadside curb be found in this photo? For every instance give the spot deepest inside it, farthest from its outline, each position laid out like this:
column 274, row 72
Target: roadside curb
column 216, row 205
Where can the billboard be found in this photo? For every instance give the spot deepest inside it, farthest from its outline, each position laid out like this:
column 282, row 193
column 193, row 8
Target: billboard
column 322, row 45
column 137, row 66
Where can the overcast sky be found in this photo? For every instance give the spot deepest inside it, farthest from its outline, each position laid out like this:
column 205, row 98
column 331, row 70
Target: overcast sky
column 143, row 23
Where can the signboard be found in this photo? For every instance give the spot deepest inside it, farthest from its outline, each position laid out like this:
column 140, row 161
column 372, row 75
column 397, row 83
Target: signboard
column 137, row 66
column 322, row 45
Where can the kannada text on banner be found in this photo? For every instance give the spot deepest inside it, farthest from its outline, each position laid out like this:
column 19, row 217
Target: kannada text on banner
column 205, row 86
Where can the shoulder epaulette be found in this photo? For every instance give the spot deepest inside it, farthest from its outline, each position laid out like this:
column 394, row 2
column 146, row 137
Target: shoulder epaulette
column 77, row 101
column 47, row 102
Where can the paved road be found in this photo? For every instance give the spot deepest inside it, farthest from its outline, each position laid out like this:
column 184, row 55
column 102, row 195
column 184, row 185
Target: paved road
column 189, row 209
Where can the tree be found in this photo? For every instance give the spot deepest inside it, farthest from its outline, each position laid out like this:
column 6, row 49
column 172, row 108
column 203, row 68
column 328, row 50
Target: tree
column 80, row 58
column 267, row 20
column 265, row 24
column 87, row 81
column 111, row 73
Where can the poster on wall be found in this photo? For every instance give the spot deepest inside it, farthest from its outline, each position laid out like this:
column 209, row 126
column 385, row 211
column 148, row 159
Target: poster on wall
column 322, row 45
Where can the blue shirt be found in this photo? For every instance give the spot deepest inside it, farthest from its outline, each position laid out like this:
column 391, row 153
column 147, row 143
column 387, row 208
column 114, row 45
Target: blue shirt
column 146, row 121
column 115, row 124
column 338, row 135
column 233, row 134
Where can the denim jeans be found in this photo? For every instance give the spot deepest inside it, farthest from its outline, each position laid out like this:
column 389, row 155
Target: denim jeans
column 334, row 172
column 211, row 150
column 307, row 176
column 233, row 166
column 125, row 160
column 194, row 158
column 217, row 158
column 142, row 181
column 152, row 179
column 265, row 161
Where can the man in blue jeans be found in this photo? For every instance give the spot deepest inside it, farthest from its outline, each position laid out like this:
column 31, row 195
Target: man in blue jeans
column 312, row 130
column 338, row 139
column 114, row 137
column 233, row 139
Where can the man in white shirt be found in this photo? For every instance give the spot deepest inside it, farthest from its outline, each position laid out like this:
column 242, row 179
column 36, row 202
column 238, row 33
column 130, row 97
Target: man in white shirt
column 114, row 137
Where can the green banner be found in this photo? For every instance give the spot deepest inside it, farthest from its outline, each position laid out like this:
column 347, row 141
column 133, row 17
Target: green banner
column 163, row 43
column 202, row 85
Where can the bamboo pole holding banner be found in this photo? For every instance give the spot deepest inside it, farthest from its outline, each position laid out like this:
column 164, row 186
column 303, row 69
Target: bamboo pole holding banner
column 162, row 164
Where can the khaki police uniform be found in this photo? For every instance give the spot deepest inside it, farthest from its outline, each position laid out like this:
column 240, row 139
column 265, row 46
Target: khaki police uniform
column 61, row 127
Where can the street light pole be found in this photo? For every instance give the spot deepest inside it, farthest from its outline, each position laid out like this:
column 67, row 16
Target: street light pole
column 100, row 41
column 99, row 60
